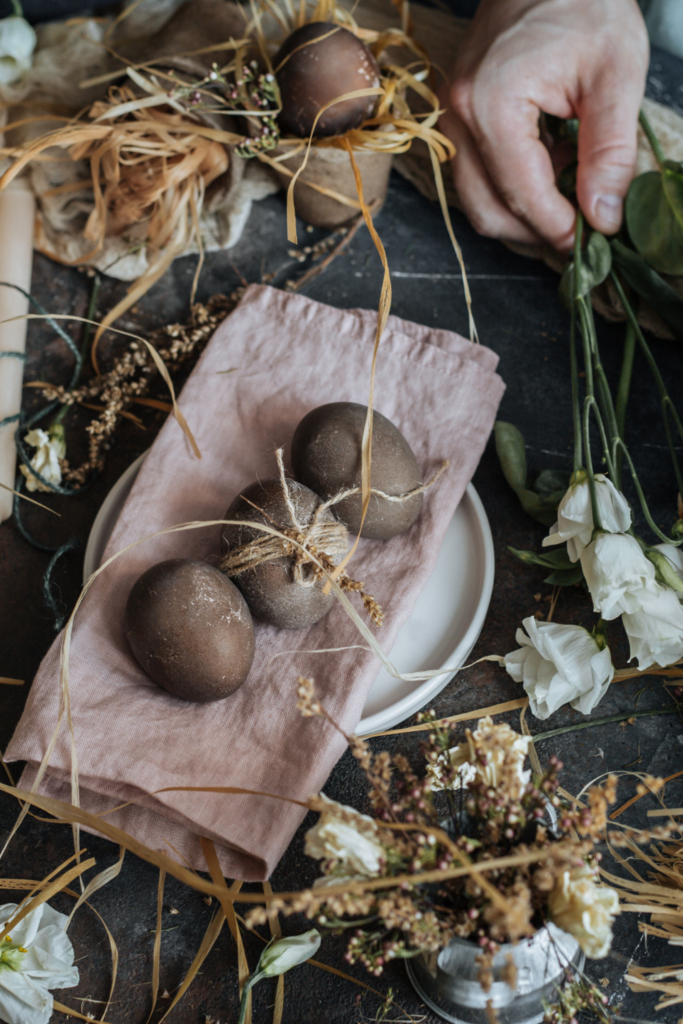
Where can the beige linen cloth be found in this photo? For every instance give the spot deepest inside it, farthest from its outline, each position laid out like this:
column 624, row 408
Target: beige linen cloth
column 288, row 355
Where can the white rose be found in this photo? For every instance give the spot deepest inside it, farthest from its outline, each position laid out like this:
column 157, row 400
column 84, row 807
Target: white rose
column 575, row 515
column 655, row 630
column 17, row 43
column 346, row 837
column 617, row 573
column 36, row 956
column 500, row 744
column 50, row 448
column 585, row 909
column 559, row 665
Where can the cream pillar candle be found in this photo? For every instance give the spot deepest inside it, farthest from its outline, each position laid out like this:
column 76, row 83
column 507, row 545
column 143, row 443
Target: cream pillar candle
column 17, row 215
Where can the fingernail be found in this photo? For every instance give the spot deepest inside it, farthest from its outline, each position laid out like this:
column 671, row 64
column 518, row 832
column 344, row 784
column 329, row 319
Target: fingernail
column 608, row 209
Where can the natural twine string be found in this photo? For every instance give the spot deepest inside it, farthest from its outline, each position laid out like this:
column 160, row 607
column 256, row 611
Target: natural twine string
column 316, row 548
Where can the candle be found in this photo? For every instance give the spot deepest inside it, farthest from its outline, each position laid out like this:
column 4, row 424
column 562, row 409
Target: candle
column 17, row 215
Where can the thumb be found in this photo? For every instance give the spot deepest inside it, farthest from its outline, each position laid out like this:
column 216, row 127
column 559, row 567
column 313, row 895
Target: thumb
column 607, row 153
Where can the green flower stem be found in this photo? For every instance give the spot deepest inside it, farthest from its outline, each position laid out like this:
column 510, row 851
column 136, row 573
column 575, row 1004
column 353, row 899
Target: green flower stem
column 623, row 394
column 17, row 8
column 652, row 138
column 576, row 394
column 603, row 721
column 667, row 405
column 248, row 985
column 619, row 445
column 87, row 334
column 589, row 401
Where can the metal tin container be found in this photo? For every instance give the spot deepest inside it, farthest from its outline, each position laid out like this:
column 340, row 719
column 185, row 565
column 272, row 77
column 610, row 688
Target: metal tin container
column 447, row 981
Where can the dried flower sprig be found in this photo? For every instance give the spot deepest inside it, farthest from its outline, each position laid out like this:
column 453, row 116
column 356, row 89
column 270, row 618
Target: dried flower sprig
column 130, row 378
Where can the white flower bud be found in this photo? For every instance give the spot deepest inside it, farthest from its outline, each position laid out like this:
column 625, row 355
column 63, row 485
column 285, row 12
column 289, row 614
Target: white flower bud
column 17, row 43
column 283, row 954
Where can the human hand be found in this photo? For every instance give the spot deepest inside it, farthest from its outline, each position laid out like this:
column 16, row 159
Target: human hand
column 584, row 59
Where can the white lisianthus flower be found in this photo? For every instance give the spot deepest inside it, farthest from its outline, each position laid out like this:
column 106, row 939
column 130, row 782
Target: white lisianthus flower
column 655, row 630
column 347, row 838
column 283, row 954
column 36, row 956
column 502, row 748
column 575, row 514
column 585, row 909
column 618, row 574
column 17, row 43
column 559, row 665
column 50, row 448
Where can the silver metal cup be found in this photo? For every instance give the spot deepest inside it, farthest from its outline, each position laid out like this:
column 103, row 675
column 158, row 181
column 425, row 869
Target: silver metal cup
column 447, row 981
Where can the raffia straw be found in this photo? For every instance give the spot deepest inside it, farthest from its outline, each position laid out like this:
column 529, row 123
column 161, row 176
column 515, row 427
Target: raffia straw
column 226, row 898
column 155, row 167
column 276, row 933
column 156, row 952
column 32, row 500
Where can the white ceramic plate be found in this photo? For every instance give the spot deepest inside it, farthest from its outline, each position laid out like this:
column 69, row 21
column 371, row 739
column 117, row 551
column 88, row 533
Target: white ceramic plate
column 442, row 629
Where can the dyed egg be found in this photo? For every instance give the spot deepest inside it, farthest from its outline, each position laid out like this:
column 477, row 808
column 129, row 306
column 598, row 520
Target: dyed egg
column 190, row 629
column 310, row 74
column 270, row 589
column 326, row 456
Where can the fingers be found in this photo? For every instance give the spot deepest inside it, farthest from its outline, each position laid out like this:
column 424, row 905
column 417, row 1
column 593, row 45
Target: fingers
column 607, row 146
column 484, row 208
column 520, row 167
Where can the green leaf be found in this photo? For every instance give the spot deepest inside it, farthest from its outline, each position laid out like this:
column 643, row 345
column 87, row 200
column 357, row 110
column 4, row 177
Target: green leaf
column 557, row 559
column 551, row 484
column 511, row 453
column 536, row 507
column 672, row 181
column 650, row 286
column 512, row 456
column 565, row 577
column 596, row 263
column 653, row 210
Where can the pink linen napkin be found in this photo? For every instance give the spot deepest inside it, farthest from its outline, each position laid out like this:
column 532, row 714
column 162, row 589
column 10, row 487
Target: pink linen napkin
column 289, row 355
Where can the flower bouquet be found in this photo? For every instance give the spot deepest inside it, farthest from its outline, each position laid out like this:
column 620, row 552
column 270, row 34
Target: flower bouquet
column 595, row 539
column 485, row 879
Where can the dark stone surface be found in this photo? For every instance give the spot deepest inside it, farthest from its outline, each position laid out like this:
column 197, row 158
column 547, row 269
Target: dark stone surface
column 520, row 317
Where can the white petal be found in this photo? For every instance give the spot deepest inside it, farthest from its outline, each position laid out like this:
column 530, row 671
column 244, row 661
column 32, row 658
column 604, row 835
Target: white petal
column 23, row 1001
column 655, row 629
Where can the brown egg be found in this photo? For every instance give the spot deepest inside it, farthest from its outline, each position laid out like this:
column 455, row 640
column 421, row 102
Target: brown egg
column 190, row 629
column 319, row 72
column 270, row 588
column 326, row 456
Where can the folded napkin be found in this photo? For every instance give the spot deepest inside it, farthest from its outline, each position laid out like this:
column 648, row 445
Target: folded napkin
column 288, row 355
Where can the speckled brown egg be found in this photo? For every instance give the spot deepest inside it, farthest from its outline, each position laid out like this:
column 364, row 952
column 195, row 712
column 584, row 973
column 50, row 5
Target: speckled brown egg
column 310, row 74
column 326, row 456
column 190, row 629
column 270, row 588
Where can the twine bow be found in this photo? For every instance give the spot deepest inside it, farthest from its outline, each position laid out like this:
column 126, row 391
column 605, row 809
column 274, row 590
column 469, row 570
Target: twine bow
column 315, row 549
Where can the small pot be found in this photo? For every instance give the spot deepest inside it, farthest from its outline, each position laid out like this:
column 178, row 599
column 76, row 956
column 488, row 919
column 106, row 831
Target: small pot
column 447, row 981
column 331, row 168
